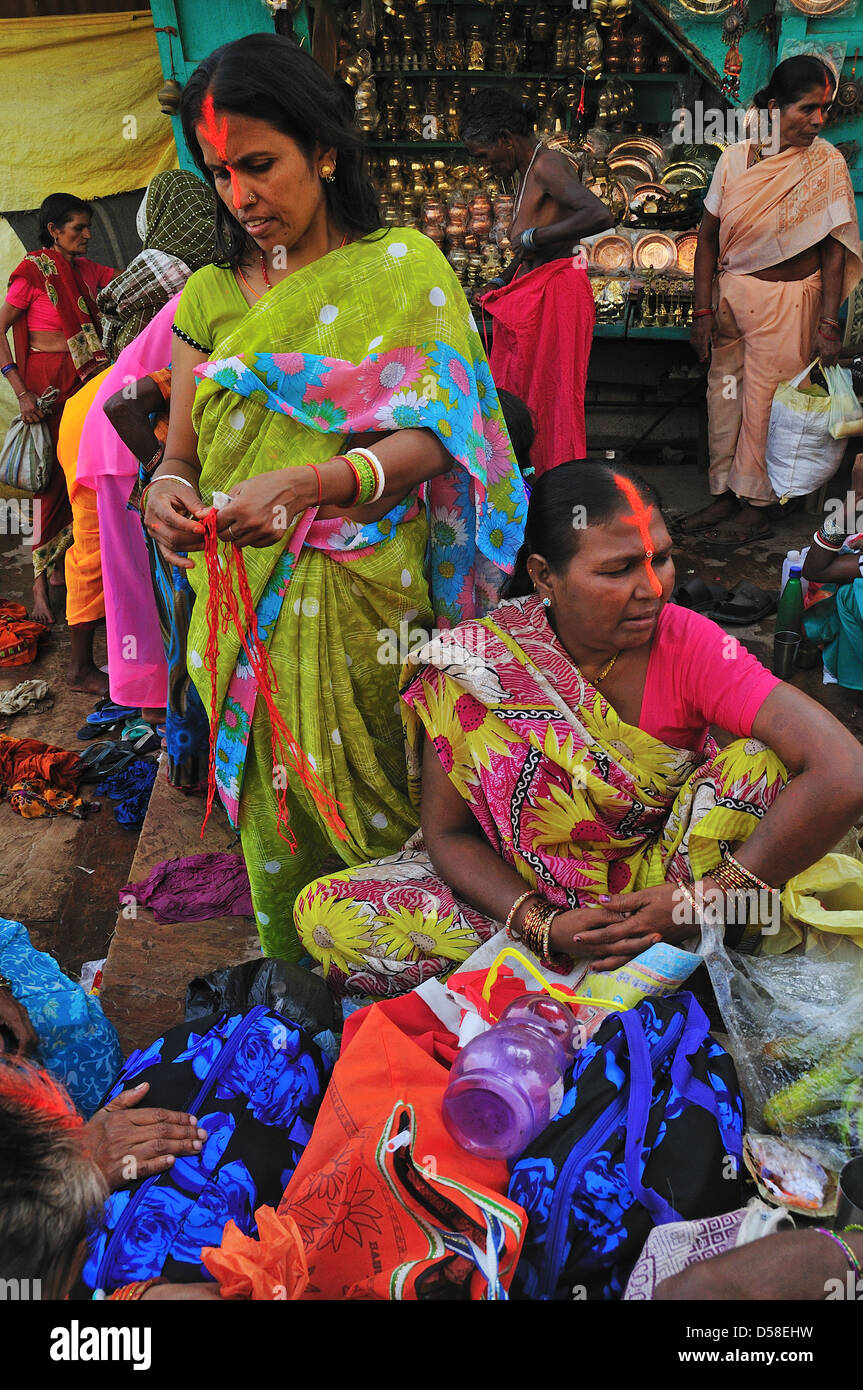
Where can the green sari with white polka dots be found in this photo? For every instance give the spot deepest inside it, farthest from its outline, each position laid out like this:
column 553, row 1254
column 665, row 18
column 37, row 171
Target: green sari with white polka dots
column 374, row 337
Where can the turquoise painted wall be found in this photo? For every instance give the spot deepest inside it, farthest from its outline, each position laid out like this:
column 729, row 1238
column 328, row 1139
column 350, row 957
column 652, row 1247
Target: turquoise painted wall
column 202, row 26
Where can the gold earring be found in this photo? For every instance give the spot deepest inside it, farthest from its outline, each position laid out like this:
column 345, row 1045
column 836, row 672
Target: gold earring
column 328, row 172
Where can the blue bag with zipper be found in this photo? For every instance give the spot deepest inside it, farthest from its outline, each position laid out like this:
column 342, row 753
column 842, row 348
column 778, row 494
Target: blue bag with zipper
column 255, row 1082
column 650, row 1131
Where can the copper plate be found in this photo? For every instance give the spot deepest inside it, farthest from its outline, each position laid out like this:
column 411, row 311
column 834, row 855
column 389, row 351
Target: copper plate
column 643, row 145
column 655, row 251
column 646, row 192
column 685, row 175
column 612, row 252
column 820, row 7
column 708, row 7
column 631, row 166
column 686, row 244
column 705, row 155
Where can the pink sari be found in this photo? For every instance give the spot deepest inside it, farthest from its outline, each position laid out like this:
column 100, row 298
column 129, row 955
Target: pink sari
column 137, row 672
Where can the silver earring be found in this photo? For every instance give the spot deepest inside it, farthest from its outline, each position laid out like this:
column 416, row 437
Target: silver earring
column 546, row 603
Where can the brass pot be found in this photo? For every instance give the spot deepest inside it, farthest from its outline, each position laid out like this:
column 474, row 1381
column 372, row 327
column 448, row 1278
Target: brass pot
column 541, row 23
column 168, row 96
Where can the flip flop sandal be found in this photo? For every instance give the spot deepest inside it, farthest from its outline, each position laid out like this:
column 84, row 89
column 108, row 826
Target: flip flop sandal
column 696, row 594
column 748, row 604
column 91, row 731
column 146, row 743
column 678, row 526
column 94, row 752
column 728, row 544
column 141, row 735
column 107, row 762
column 110, row 713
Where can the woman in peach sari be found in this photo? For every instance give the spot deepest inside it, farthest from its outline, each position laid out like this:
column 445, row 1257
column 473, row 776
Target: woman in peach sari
column 778, row 252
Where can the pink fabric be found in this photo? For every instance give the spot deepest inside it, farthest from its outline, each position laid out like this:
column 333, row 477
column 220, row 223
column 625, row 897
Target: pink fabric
column 42, row 317
column 102, row 451
column 719, row 682
column 137, row 672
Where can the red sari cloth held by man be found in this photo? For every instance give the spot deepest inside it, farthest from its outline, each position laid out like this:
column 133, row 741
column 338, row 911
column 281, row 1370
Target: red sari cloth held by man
column 542, row 331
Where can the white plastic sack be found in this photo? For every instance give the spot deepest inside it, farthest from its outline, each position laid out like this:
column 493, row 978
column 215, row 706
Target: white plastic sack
column 801, row 453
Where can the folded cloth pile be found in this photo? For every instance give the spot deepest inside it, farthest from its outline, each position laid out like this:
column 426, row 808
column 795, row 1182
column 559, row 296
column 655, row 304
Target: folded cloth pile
column 195, row 889
column 38, row 779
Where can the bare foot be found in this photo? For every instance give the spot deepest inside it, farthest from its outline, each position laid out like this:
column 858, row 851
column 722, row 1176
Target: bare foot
column 719, row 510
column 41, row 612
column 90, row 681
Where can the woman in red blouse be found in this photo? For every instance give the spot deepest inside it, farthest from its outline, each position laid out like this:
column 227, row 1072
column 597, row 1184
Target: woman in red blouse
column 51, row 308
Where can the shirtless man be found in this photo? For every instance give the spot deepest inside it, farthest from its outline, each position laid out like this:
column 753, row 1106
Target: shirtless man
column 543, row 322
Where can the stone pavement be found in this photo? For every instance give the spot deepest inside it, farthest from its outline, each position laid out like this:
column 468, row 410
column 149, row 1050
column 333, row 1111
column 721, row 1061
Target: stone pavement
column 58, row 876
column 149, row 966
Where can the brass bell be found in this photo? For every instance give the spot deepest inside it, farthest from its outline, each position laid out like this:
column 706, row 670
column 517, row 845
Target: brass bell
column 168, row 96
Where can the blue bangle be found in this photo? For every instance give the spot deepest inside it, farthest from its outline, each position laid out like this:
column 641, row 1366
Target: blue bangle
column 527, row 240
column 12, row 367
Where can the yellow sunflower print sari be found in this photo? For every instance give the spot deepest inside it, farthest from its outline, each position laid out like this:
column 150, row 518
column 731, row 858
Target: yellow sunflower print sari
column 577, row 801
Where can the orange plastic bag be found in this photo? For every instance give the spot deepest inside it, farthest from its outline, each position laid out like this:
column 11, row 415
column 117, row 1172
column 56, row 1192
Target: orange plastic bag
column 388, row 1205
column 273, row 1266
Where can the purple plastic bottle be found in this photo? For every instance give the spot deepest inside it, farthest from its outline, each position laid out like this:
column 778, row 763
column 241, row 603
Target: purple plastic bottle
column 506, row 1084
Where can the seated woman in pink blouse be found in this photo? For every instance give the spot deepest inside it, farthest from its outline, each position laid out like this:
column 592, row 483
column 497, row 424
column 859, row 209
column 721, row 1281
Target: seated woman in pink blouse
column 51, row 308
column 570, row 785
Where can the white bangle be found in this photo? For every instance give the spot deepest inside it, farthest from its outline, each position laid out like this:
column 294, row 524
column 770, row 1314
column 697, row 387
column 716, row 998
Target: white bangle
column 172, row 478
column 378, row 469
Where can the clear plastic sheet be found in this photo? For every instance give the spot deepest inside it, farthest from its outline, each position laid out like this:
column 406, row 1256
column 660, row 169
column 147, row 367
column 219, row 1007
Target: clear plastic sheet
column 795, row 1031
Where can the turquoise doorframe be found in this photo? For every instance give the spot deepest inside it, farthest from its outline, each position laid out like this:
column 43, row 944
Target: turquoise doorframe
column 201, row 27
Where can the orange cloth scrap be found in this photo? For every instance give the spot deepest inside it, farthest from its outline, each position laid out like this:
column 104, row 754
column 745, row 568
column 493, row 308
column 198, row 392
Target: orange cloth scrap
column 273, row 1266
column 38, row 779
column 19, row 636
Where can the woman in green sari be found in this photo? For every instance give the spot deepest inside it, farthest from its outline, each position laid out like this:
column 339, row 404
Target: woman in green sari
column 318, row 331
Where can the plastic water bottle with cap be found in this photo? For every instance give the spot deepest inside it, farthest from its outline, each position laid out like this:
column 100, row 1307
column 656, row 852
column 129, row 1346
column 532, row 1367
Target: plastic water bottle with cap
column 794, row 557
column 789, row 625
column 507, row 1084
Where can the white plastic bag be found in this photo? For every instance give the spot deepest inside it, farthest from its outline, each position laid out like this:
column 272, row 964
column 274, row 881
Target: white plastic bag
column 846, row 412
column 801, row 453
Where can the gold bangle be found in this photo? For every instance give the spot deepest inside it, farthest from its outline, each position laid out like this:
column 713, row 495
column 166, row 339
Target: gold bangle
column 508, row 927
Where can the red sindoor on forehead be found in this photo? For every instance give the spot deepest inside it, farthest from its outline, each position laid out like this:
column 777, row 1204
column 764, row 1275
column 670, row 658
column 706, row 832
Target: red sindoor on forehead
column 215, row 129
column 640, row 517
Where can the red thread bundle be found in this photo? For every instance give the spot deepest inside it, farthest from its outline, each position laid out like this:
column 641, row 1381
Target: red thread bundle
column 222, row 611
